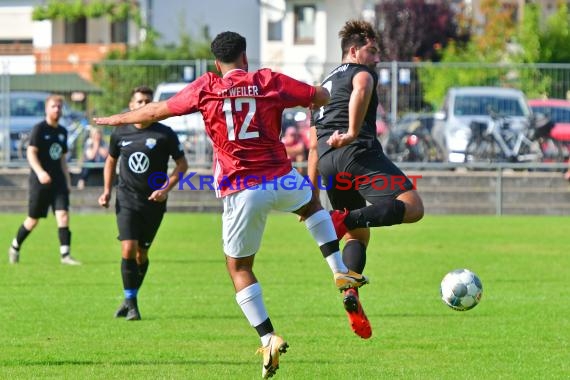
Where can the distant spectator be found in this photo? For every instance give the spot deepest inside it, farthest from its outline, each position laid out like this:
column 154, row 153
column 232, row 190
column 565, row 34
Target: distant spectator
column 95, row 150
column 294, row 146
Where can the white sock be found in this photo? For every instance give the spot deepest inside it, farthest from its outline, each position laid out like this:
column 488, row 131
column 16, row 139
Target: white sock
column 265, row 339
column 321, row 227
column 251, row 303
column 335, row 263
column 15, row 243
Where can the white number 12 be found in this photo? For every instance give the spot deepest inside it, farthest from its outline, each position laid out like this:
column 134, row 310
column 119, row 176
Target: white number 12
column 243, row 133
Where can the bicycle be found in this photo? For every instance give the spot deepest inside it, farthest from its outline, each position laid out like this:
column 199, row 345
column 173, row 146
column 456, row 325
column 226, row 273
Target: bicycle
column 500, row 141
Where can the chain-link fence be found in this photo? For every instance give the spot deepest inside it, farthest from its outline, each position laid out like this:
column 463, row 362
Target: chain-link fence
column 403, row 87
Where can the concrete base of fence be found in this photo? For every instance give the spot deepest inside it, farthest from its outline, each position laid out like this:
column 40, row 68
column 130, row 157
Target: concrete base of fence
column 506, row 192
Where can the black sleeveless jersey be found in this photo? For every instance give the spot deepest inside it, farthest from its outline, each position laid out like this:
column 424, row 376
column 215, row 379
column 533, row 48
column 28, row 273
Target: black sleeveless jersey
column 334, row 116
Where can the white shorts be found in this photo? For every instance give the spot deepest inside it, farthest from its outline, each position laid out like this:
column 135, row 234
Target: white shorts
column 245, row 212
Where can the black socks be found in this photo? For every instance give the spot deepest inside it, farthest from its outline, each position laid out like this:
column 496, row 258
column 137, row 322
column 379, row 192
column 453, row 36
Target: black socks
column 385, row 213
column 354, row 255
column 21, row 235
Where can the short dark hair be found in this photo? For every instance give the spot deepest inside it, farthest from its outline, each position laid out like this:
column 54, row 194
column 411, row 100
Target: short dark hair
column 145, row 90
column 227, row 46
column 356, row 33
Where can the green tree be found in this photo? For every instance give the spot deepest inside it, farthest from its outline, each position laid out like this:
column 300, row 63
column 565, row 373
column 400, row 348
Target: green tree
column 533, row 81
column 541, row 43
column 120, row 73
column 465, row 64
column 554, row 40
column 555, row 37
column 145, row 64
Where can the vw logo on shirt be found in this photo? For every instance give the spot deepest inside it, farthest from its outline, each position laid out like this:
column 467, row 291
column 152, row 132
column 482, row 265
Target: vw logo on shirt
column 139, row 162
column 55, row 151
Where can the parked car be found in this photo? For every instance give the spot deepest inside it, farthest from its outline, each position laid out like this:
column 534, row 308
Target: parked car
column 26, row 109
column 558, row 110
column 464, row 105
column 184, row 125
column 189, row 128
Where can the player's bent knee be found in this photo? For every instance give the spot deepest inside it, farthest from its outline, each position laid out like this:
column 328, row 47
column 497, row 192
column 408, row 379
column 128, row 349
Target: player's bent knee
column 309, row 209
column 414, row 206
column 30, row 223
column 414, row 212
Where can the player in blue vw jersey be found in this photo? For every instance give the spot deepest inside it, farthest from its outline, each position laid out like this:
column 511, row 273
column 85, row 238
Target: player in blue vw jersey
column 141, row 196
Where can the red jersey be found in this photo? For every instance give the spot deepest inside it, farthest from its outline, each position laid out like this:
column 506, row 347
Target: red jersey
column 242, row 113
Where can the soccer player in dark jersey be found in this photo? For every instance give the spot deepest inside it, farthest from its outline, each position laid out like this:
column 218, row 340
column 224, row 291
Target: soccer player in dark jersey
column 242, row 113
column 344, row 144
column 144, row 151
column 49, row 181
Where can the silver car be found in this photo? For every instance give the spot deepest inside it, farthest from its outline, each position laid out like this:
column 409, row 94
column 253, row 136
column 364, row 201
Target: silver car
column 463, row 105
column 21, row 111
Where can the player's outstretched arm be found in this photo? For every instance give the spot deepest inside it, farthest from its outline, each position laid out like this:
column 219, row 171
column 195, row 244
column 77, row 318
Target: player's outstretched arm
column 321, row 97
column 149, row 113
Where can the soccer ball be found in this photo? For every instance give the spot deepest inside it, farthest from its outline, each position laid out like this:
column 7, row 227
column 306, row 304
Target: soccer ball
column 461, row 289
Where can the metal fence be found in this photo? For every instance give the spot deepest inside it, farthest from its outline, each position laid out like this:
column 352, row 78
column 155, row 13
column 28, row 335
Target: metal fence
column 403, row 87
column 421, row 86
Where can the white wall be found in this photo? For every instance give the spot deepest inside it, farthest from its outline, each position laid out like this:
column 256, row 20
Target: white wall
column 311, row 62
column 171, row 18
column 17, row 64
column 15, row 22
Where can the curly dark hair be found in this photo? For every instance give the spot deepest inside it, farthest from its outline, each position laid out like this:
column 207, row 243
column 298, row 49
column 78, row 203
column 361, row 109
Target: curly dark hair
column 227, row 46
column 356, row 33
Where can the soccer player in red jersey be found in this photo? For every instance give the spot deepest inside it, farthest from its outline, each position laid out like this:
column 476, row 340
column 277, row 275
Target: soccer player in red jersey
column 242, row 114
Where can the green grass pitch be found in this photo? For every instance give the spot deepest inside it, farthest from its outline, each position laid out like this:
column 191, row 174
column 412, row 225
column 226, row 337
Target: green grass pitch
column 56, row 322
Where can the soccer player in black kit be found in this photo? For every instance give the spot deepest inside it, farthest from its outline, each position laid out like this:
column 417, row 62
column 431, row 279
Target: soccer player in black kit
column 344, row 146
column 49, row 181
column 141, row 193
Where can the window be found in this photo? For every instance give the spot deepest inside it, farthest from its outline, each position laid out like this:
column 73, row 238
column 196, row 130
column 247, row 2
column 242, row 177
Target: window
column 305, row 24
column 76, row 31
column 558, row 115
column 119, row 31
column 275, row 30
column 483, row 105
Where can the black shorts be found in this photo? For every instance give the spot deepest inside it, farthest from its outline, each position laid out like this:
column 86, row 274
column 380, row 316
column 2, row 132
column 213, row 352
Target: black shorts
column 141, row 225
column 353, row 176
column 43, row 196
